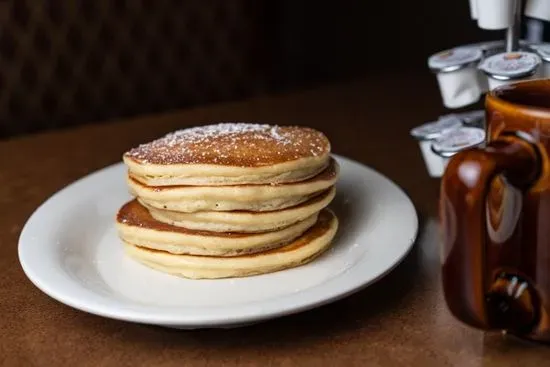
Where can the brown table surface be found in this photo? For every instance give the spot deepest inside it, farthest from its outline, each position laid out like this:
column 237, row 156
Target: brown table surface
column 400, row 321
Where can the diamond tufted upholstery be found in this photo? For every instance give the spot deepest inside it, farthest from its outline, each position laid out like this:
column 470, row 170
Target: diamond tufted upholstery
column 69, row 62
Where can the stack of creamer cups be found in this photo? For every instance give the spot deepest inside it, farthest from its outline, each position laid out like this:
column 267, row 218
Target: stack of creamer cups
column 465, row 73
column 440, row 140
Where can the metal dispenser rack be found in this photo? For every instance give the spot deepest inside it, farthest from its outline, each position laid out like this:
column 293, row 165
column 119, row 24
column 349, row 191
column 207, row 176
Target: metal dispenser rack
column 465, row 73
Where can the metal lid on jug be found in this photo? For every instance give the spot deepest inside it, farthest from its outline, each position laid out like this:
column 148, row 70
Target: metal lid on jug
column 454, row 59
column 432, row 130
column 453, row 141
column 511, row 65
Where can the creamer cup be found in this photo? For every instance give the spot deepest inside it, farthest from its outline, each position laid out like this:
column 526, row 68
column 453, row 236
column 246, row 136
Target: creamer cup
column 538, row 9
column 495, row 14
column 509, row 67
column 425, row 134
column 543, row 51
column 451, row 142
column 459, row 80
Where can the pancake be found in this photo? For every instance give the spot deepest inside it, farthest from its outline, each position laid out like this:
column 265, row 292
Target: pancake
column 299, row 252
column 237, row 197
column 135, row 225
column 230, row 154
column 244, row 221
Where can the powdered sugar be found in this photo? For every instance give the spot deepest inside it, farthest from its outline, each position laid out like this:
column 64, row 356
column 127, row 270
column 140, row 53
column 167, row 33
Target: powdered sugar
column 243, row 144
column 202, row 133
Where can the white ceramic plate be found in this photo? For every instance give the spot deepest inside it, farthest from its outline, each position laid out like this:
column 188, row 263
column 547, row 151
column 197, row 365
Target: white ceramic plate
column 69, row 249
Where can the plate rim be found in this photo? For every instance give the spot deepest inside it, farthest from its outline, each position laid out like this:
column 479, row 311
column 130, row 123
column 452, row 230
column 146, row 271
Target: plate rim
column 296, row 303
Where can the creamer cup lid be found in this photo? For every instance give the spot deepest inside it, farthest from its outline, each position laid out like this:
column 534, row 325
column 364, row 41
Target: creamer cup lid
column 454, row 59
column 432, row 130
column 453, row 141
column 543, row 51
column 511, row 65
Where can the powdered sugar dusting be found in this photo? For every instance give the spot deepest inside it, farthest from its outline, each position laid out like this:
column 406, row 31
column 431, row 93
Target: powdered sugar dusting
column 239, row 144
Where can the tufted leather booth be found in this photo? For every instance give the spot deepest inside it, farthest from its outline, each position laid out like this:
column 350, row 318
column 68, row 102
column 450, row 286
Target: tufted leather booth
column 70, row 62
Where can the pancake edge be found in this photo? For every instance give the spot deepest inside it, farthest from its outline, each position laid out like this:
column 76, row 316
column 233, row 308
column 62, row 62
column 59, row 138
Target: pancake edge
column 213, row 245
column 243, row 221
column 191, row 267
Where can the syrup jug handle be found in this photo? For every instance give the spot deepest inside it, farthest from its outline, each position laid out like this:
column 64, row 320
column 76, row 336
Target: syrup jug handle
column 506, row 302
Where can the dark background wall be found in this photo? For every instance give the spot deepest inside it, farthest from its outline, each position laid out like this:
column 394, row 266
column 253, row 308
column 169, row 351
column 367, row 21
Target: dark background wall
column 342, row 39
column 64, row 63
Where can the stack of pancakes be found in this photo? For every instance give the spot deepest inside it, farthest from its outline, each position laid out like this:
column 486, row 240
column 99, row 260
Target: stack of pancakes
column 229, row 200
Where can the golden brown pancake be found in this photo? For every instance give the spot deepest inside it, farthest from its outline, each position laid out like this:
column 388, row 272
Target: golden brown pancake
column 244, row 220
column 230, row 153
column 236, row 197
column 136, row 225
column 229, row 200
column 302, row 250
